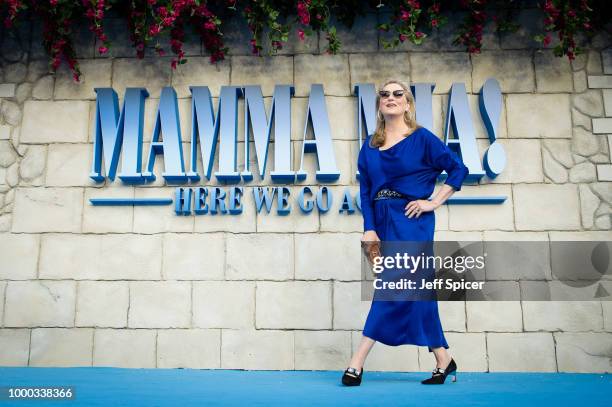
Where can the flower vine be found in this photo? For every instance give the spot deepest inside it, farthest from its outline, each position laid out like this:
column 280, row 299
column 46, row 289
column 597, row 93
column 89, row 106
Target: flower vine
column 151, row 22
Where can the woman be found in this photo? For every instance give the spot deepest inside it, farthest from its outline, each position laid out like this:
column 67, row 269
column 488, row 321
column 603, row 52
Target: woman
column 398, row 167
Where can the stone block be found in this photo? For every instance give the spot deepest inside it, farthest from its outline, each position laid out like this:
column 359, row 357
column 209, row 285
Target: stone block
column 350, row 311
column 568, row 316
column 15, row 345
column 32, row 166
column 604, row 172
column 295, row 304
column 587, row 352
column 193, row 256
column 322, row 350
column 55, row 122
column 494, row 316
column 443, row 69
column 128, row 348
column 523, row 161
column 365, row 69
column 69, row 165
column 40, row 304
column 335, row 77
column 257, row 349
column 189, row 348
column 61, row 209
column 19, row 253
column 7, row 90
column 512, row 69
column 452, row 315
column 99, row 257
column 95, row 73
column 270, row 256
column 265, row 72
column 490, row 217
column 546, row 207
column 539, row 116
column 61, row 347
column 224, row 304
column 102, row 304
column 602, row 126
column 160, row 304
column 327, row 256
column 600, row 81
column 521, row 352
column 553, row 74
column 149, row 73
column 198, row 71
column 107, row 219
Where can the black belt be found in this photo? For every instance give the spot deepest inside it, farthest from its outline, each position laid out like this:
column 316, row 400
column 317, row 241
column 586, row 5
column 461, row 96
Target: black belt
column 386, row 193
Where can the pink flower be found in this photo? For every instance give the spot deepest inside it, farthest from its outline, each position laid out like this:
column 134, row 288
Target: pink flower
column 434, row 23
column 209, row 25
column 103, row 50
column 418, row 34
column 405, row 15
column 546, row 40
column 300, row 33
column 402, row 37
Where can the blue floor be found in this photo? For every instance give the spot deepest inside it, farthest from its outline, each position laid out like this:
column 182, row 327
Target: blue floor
column 100, row 386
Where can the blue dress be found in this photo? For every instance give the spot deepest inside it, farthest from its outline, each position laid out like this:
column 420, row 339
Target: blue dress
column 411, row 167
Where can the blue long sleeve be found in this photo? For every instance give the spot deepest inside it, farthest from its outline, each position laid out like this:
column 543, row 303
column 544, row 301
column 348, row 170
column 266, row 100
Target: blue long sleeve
column 365, row 185
column 441, row 157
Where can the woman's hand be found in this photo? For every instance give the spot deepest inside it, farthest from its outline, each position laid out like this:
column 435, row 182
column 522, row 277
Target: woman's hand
column 370, row 244
column 415, row 208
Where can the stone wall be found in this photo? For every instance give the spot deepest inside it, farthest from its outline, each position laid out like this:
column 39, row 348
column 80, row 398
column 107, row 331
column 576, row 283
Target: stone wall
column 142, row 287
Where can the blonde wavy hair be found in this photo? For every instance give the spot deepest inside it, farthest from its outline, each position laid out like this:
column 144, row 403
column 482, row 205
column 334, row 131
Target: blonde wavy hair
column 378, row 138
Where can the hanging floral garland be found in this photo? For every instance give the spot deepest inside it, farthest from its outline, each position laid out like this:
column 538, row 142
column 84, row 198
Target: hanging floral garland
column 150, row 21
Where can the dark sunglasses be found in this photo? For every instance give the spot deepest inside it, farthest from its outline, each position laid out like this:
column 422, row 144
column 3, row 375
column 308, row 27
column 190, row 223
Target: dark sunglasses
column 385, row 93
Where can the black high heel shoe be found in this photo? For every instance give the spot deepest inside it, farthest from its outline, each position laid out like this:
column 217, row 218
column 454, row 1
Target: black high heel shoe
column 351, row 377
column 439, row 375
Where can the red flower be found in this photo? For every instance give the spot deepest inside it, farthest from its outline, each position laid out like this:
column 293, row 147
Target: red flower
column 154, row 30
column 434, row 23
